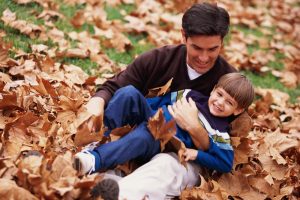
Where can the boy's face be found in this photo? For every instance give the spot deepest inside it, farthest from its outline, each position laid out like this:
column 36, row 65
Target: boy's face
column 221, row 104
column 202, row 51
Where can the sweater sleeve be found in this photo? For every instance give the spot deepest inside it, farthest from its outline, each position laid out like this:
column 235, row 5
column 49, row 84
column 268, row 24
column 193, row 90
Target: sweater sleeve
column 216, row 158
column 135, row 74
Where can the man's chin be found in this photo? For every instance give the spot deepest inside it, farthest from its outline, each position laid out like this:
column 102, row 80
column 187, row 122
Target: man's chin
column 202, row 70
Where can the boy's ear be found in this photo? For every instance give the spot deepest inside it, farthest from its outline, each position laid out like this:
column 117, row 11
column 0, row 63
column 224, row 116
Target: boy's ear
column 238, row 111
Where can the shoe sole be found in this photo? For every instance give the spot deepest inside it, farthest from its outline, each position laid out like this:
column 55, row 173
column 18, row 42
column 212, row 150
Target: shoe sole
column 77, row 164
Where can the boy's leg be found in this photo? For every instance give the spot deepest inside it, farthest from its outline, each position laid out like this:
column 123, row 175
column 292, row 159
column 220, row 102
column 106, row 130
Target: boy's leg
column 161, row 176
column 138, row 144
column 127, row 106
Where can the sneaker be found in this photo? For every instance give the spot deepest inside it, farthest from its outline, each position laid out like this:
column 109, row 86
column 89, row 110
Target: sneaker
column 84, row 162
column 107, row 189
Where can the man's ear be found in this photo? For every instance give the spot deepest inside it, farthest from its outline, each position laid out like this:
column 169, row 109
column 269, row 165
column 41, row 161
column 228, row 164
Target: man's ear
column 183, row 36
column 238, row 111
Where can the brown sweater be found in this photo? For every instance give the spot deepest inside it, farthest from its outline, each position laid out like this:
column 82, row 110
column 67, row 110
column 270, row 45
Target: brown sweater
column 156, row 67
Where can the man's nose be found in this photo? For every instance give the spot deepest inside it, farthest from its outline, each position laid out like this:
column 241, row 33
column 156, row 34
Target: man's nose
column 203, row 56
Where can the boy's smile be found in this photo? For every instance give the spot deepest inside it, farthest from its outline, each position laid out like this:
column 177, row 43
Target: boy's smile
column 221, row 104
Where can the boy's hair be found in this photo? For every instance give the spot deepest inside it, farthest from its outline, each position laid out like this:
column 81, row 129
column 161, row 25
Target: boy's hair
column 238, row 87
column 205, row 19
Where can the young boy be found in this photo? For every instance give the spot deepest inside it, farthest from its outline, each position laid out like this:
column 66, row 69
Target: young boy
column 230, row 97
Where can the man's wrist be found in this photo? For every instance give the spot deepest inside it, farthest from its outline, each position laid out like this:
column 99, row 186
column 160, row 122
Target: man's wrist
column 195, row 129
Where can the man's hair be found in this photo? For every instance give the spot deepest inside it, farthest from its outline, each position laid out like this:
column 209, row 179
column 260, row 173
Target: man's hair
column 238, row 87
column 205, row 19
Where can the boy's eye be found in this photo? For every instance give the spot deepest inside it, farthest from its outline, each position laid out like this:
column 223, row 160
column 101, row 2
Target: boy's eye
column 219, row 94
column 230, row 103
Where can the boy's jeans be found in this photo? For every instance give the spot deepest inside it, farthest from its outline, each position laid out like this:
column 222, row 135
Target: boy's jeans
column 127, row 106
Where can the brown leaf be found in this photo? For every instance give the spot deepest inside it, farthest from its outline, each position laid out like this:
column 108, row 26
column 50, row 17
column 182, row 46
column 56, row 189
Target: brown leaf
column 10, row 190
column 160, row 90
column 271, row 167
column 242, row 151
column 161, row 130
column 180, row 148
column 78, row 20
column 29, row 29
column 241, row 125
column 121, row 131
column 8, row 101
column 235, row 184
column 213, row 191
column 279, row 98
column 260, row 184
column 85, row 133
column 62, row 167
column 31, row 164
column 287, row 78
column 4, row 48
column 74, row 53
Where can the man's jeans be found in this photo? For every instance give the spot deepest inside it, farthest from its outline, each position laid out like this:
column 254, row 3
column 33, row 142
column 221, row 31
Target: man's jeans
column 127, row 106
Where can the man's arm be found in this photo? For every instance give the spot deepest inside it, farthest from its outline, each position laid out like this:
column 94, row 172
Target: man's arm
column 185, row 114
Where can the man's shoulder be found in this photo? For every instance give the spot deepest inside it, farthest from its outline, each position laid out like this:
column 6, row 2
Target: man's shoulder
column 167, row 49
column 225, row 65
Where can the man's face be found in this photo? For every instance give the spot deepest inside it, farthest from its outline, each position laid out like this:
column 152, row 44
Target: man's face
column 202, row 51
column 221, row 104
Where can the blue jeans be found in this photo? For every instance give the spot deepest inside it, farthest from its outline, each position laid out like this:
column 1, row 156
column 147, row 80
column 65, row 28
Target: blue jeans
column 127, row 106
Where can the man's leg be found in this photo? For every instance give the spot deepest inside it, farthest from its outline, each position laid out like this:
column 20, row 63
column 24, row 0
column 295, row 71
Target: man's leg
column 127, row 106
column 161, row 176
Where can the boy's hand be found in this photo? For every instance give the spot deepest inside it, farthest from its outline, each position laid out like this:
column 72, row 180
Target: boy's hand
column 185, row 113
column 190, row 154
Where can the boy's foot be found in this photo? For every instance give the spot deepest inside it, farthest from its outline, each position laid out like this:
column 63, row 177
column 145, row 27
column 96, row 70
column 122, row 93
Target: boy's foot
column 107, row 189
column 84, row 162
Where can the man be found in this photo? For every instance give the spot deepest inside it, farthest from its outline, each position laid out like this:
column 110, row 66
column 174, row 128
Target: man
column 195, row 64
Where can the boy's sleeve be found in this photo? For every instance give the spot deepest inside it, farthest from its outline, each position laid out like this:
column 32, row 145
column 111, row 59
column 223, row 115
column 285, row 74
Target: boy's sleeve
column 217, row 157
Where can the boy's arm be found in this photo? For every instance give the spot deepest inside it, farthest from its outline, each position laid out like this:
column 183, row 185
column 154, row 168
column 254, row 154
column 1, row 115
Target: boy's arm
column 185, row 114
column 216, row 158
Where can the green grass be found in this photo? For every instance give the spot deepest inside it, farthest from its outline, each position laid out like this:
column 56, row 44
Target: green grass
column 26, row 12
column 86, row 64
column 127, row 57
column 69, row 10
column 269, row 81
column 115, row 12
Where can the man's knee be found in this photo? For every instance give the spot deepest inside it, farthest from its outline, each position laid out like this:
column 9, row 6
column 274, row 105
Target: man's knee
column 127, row 90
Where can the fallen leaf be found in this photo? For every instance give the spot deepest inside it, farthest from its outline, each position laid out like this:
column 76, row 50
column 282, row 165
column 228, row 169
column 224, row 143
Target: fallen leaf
column 86, row 131
column 160, row 90
column 10, row 190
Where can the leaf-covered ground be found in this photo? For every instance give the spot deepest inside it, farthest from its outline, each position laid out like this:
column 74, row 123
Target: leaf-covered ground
column 46, row 44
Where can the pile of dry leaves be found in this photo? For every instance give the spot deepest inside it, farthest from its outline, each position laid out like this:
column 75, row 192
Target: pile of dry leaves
column 41, row 100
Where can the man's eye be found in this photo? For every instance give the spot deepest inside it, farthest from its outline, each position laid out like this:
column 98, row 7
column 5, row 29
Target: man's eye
column 212, row 50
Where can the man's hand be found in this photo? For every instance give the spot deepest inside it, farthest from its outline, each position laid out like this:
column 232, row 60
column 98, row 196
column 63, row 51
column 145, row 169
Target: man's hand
column 190, row 154
column 185, row 113
column 95, row 106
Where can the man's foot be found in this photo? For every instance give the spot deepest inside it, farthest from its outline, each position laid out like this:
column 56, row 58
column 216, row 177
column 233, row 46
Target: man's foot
column 84, row 162
column 108, row 189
